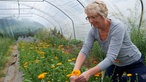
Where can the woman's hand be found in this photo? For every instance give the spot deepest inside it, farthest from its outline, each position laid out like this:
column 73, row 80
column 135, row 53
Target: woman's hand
column 83, row 77
column 73, row 78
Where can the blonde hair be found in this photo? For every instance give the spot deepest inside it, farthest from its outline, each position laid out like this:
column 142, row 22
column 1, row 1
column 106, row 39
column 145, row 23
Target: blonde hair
column 97, row 6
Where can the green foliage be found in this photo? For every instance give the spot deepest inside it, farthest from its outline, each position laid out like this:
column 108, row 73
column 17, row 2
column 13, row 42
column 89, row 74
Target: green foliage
column 51, row 53
column 97, row 52
column 95, row 56
column 139, row 39
column 5, row 44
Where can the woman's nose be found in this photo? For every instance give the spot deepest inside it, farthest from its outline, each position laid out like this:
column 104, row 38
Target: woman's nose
column 91, row 20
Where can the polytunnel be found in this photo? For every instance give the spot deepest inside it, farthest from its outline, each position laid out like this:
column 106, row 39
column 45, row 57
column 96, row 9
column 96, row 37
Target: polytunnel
column 66, row 16
column 27, row 56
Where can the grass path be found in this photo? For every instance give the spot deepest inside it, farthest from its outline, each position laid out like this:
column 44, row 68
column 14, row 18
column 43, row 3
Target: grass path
column 11, row 72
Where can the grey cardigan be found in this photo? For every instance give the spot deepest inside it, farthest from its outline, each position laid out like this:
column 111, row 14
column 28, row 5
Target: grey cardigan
column 117, row 46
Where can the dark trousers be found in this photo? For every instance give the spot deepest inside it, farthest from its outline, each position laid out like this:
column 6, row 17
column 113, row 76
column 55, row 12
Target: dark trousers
column 137, row 69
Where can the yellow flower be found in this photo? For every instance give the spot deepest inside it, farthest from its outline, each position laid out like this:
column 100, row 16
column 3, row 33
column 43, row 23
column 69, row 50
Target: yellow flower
column 73, row 58
column 59, row 63
column 129, row 75
column 52, row 66
column 44, row 46
column 41, row 76
column 25, row 64
column 37, row 61
column 69, row 60
column 42, row 56
column 42, row 53
column 56, row 57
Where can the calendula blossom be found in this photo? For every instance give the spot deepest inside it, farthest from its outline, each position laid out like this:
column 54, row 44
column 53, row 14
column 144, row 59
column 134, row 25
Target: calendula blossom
column 56, row 57
column 37, row 61
column 97, row 74
column 52, row 66
column 42, row 53
column 41, row 76
column 69, row 60
column 73, row 58
column 25, row 64
column 74, row 73
column 94, row 62
column 129, row 75
column 59, row 63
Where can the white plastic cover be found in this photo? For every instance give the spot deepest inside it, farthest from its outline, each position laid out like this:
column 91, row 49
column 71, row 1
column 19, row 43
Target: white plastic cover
column 65, row 15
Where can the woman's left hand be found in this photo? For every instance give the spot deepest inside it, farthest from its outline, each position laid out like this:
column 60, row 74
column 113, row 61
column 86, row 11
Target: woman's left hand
column 83, row 77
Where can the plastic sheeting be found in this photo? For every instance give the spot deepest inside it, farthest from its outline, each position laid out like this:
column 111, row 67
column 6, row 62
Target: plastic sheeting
column 65, row 15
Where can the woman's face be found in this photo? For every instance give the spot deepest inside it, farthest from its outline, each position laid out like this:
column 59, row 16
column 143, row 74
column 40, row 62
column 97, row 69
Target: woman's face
column 96, row 20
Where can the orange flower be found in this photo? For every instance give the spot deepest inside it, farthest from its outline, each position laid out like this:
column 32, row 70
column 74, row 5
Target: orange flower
column 41, row 76
column 94, row 62
column 74, row 73
column 26, row 63
column 129, row 75
column 68, row 75
column 117, row 61
column 97, row 74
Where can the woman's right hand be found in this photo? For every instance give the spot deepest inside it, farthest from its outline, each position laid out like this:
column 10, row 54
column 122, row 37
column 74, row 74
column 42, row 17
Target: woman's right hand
column 73, row 78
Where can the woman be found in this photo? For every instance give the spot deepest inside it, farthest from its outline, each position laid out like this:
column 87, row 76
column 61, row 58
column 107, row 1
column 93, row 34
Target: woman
column 121, row 54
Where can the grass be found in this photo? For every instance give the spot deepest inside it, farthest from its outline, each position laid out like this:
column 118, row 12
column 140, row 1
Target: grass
column 5, row 52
